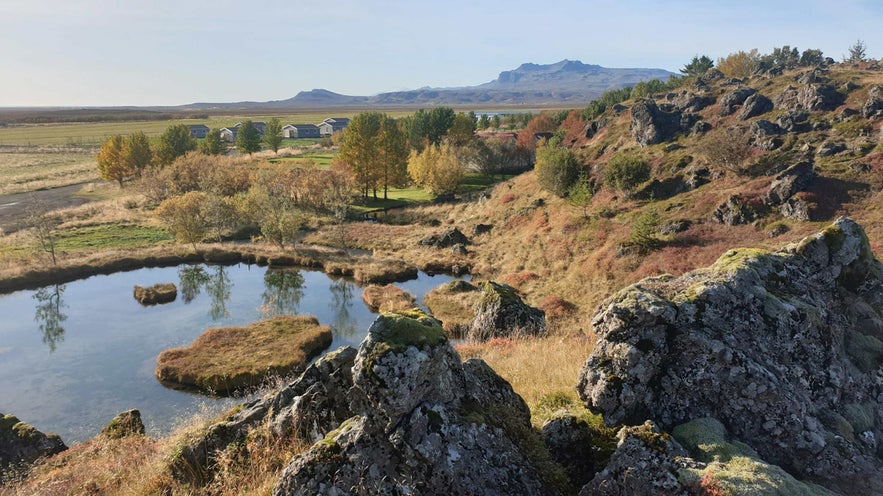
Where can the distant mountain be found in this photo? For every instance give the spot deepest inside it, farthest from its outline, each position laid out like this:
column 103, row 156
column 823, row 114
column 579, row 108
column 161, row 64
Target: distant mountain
column 566, row 82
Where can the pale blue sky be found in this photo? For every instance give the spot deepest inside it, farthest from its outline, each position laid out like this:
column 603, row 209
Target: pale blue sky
column 172, row 52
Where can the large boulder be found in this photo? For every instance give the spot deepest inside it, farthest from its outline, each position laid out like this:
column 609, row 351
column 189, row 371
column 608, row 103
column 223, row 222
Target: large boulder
column 873, row 108
column 21, row 444
column 734, row 98
column 791, row 180
column 651, row 125
column 450, row 237
column 687, row 101
column 809, row 97
column 733, row 212
column 783, row 348
column 501, row 313
column 125, row 424
column 424, row 423
column 755, row 105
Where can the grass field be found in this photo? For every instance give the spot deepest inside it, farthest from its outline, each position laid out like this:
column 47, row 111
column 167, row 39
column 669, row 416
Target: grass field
column 92, row 134
column 40, row 168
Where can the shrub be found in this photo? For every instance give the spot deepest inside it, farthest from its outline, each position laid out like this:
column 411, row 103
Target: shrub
column 556, row 169
column 625, row 173
column 740, row 64
column 728, row 148
column 644, row 231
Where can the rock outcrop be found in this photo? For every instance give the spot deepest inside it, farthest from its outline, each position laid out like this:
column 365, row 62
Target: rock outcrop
column 791, row 180
column 651, row 125
column 783, row 348
column 733, row 212
column 450, row 237
column 21, row 444
column 736, row 97
column 313, row 404
column 755, row 105
column 809, row 97
column 873, row 108
column 123, row 425
column 501, row 313
column 424, row 423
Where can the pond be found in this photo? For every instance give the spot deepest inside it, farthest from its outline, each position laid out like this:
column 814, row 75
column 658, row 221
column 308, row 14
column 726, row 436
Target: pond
column 72, row 356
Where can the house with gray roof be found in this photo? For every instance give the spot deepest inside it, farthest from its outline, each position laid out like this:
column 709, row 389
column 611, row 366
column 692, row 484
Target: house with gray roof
column 332, row 125
column 199, row 131
column 300, row 131
column 230, row 133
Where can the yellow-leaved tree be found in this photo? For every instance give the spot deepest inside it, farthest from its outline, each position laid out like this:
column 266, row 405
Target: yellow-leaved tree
column 437, row 169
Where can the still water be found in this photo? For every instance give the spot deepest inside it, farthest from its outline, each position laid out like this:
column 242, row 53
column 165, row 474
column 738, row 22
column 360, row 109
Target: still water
column 74, row 355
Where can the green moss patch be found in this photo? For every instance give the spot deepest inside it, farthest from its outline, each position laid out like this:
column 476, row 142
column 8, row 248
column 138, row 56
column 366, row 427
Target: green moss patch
column 227, row 359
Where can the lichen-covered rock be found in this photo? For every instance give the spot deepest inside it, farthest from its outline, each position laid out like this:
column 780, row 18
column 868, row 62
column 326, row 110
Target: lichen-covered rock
column 651, row 125
column 873, row 108
column 501, row 313
column 574, row 445
column 783, row 348
column 21, row 444
column 763, row 129
column 646, row 463
column 125, row 424
column 809, row 97
column 309, row 407
column 755, row 105
column 733, row 212
column 791, row 180
column 424, row 424
column 687, row 101
column 736, row 97
column 156, row 294
column 795, row 208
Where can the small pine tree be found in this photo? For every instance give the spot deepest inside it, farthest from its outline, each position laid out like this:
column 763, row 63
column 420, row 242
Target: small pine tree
column 698, row 66
column 856, row 52
column 580, row 194
column 213, row 144
column 644, row 231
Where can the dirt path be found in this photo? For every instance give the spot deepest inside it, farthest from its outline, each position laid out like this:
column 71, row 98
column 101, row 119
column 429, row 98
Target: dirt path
column 13, row 208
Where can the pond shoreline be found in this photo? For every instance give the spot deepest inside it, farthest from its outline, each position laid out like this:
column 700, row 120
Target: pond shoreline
column 365, row 269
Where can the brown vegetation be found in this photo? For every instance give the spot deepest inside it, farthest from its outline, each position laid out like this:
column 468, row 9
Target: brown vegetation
column 156, row 294
column 228, row 359
column 387, row 298
column 454, row 305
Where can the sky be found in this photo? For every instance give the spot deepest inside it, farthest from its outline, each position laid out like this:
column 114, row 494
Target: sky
column 174, row 52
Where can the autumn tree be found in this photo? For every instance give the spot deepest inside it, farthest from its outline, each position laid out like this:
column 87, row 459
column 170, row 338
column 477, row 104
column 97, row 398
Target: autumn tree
column 728, row 148
column 111, row 165
column 437, row 169
column 462, row 131
column 184, row 216
column 248, row 138
column 213, row 144
column 136, row 153
column 273, row 134
column 527, row 137
column 270, row 205
column 375, row 149
column 698, row 66
column 556, row 168
column 740, row 64
column 174, row 142
column 625, row 172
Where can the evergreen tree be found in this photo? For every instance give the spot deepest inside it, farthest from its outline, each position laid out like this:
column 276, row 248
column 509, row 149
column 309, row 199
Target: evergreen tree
column 248, row 138
column 174, row 142
column 213, row 144
column 698, row 66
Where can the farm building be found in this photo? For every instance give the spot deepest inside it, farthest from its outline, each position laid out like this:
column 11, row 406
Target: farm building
column 199, row 131
column 229, row 133
column 300, row 131
column 333, row 124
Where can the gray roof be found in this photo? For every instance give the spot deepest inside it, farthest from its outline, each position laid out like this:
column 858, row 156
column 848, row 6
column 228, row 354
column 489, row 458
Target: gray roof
column 198, row 126
column 303, row 126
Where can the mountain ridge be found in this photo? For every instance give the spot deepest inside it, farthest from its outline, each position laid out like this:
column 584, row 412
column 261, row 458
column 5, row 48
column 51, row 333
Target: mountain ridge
column 563, row 82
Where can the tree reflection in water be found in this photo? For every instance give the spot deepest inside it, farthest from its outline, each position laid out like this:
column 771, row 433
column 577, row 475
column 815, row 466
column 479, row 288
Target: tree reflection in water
column 342, row 292
column 48, row 314
column 284, row 290
column 218, row 287
column 192, row 280
column 216, row 282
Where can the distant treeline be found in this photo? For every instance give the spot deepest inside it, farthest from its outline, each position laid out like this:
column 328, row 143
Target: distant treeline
column 89, row 115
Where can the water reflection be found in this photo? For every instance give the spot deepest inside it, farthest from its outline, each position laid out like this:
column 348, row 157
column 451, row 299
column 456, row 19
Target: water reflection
column 217, row 284
column 284, row 290
column 192, row 280
column 48, row 314
column 341, row 303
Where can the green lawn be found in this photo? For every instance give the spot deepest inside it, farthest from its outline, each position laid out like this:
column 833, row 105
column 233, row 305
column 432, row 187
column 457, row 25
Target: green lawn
column 108, row 236
column 400, row 197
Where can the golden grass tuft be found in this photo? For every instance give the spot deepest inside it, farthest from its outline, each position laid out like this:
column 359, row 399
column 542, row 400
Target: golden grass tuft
column 455, row 308
column 387, row 298
column 227, row 359
column 537, row 368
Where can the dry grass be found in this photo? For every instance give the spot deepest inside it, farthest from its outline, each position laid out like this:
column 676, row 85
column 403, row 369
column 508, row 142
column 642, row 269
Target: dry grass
column 29, row 169
column 227, row 359
column 537, row 368
column 138, row 465
column 454, row 308
column 387, row 298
